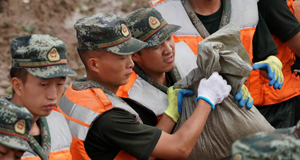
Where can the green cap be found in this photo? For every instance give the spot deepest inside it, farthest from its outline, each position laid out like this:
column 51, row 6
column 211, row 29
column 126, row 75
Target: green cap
column 108, row 32
column 282, row 144
column 15, row 124
column 147, row 25
column 41, row 55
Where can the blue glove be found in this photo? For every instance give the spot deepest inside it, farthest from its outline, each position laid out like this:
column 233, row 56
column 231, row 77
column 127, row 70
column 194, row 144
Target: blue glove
column 244, row 97
column 180, row 94
column 272, row 66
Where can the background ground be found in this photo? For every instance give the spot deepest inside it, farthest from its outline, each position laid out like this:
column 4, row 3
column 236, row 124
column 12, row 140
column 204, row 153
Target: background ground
column 54, row 17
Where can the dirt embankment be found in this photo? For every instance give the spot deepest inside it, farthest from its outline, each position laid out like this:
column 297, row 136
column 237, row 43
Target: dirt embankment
column 57, row 17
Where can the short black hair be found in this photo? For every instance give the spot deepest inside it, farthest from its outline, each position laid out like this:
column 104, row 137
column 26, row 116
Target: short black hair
column 19, row 73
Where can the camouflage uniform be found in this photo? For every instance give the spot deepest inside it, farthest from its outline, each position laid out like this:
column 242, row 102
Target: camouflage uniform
column 282, row 144
column 15, row 124
column 45, row 57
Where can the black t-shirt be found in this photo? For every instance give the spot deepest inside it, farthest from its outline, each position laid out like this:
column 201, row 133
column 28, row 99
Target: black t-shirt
column 117, row 129
column 211, row 22
column 263, row 43
column 279, row 19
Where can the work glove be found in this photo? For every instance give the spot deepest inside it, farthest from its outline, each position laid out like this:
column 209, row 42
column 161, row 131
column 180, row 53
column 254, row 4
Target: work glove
column 272, row 66
column 244, row 97
column 213, row 90
column 175, row 96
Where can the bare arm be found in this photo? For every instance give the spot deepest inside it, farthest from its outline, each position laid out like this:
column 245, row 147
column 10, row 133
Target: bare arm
column 166, row 124
column 180, row 144
column 293, row 44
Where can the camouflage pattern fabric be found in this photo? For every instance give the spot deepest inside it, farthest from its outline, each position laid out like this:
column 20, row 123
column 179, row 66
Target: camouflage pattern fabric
column 41, row 55
column 174, row 74
column 282, row 144
column 15, row 124
column 42, row 150
column 108, row 32
column 82, row 84
column 148, row 25
column 199, row 25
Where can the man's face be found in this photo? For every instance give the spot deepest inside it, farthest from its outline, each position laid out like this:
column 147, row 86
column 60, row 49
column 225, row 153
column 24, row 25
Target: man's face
column 40, row 96
column 9, row 153
column 114, row 69
column 157, row 60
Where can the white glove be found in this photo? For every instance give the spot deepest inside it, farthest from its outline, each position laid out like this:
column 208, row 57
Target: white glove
column 213, row 90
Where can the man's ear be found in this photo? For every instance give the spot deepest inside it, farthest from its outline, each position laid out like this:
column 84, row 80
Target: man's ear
column 93, row 64
column 136, row 57
column 17, row 85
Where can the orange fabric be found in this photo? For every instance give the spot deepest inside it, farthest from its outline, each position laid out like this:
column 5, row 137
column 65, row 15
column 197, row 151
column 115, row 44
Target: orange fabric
column 90, row 98
column 77, row 150
column 192, row 42
column 65, row 154
column 123, row 90
column 122, row 155
column 96, row 100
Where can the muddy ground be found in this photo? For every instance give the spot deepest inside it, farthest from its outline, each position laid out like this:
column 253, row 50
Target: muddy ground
column 54, row 17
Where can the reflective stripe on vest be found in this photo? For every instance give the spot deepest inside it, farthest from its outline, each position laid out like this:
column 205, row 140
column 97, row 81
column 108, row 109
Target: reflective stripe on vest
column 61, row 139
column 151, row 97
column 243, row 13
column 81, row 108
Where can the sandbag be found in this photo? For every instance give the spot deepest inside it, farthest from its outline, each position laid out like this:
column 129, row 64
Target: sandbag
column 223, row 52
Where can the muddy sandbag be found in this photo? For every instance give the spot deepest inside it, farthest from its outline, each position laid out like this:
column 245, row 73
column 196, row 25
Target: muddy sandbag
column 223, row 52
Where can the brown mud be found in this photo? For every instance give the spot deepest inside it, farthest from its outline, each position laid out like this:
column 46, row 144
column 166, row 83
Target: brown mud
column 54, row 17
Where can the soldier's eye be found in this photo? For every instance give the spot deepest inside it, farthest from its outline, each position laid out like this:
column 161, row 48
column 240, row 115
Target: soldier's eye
column 44, row 85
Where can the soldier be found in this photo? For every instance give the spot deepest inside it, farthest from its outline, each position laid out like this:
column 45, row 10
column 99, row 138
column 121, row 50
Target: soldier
column 101, row 123
column 38, row 73
column 15, row 123
column 282, row 144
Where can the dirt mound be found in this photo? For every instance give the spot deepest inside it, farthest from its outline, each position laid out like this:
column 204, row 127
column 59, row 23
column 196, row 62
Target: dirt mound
column 23, row 17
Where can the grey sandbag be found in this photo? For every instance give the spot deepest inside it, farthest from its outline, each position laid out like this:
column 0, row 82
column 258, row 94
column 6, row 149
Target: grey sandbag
column 223, row 52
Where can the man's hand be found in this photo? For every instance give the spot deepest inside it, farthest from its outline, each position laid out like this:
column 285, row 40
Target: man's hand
column 272, row 66
column 244, row 97
column 213, row 90
column 175, row 102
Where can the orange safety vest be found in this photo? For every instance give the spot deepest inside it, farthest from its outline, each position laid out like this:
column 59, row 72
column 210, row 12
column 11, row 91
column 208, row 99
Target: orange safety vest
column 80, row 108
column 150, row 96
column 60, row 139
column 262, row 93
column 291, row 86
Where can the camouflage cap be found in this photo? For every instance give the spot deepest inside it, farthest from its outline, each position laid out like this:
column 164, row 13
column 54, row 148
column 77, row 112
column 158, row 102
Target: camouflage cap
column 147, row 25
column 41, row 55
column 282, row 144
column 108, row 32
column 15, row 124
